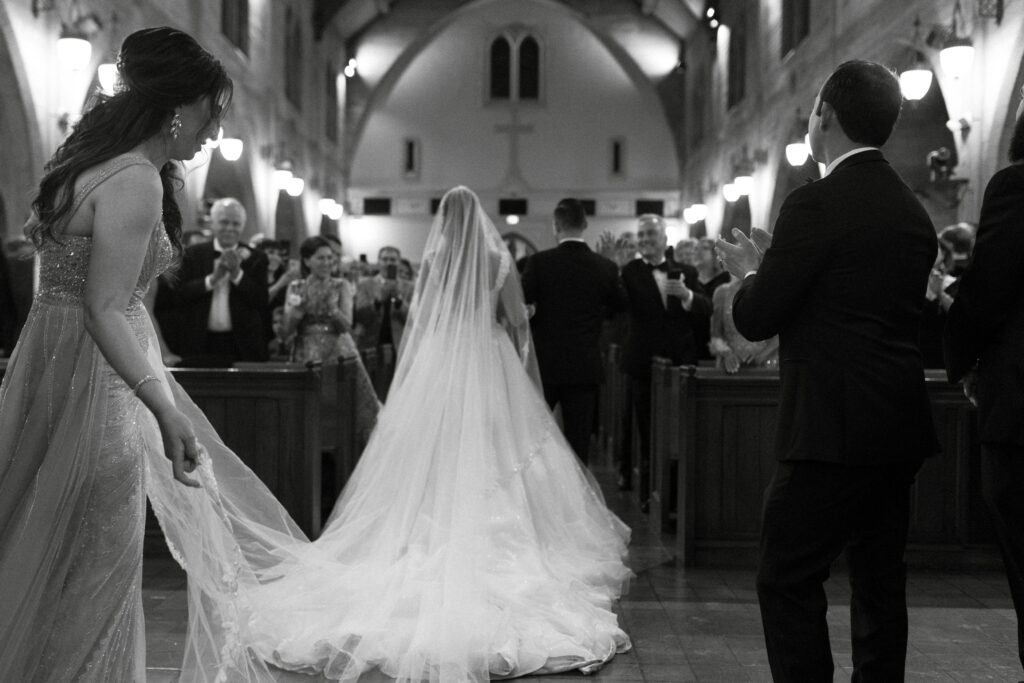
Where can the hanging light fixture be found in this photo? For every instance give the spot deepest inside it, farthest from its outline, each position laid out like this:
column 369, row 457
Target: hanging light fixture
column 957, row 55
column 231, row 148
column 699, row 212
column 73, row 48
column 917, row 79
column 295, row 186
column 326, row 205
column 106, row 74
column 730, row 192
column 336, row 212
column 744, row 184
column 282, row 175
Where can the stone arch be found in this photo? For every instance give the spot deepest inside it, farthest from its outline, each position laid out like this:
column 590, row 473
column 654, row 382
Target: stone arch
column 385, row 87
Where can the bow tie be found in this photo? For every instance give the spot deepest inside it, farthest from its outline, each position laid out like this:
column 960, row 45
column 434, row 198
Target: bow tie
column 663, row 266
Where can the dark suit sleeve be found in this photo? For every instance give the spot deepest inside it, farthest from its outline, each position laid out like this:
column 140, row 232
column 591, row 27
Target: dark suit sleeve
column 529, row 281
column 252, row 286
column 993, row 282
column 192, row 284
column 801, row 243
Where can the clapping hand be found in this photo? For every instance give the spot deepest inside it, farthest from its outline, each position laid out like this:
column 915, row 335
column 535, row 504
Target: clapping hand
column 744, row 256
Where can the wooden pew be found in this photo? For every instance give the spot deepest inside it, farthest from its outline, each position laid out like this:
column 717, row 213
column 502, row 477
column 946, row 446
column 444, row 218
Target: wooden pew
column 717, row 431
column 270, row 417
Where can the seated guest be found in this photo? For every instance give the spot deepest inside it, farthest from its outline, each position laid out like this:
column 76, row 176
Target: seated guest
column 382, row 303
column 710, row 273
column 220, row 296
column 731, row 349
column 318, row 311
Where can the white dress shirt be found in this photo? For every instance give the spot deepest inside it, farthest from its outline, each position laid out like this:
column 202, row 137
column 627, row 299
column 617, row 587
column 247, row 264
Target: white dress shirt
column 842, row 157
column 220, row 308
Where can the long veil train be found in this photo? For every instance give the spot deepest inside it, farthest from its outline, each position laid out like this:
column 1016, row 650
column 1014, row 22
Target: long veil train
column 469, row 543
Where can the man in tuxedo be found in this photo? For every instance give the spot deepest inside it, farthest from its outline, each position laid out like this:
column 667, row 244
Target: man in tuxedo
column 382, row 303
column 219, row 300
column 669, row 316
column 572, row 291
column 854, row 422
column 984, row 338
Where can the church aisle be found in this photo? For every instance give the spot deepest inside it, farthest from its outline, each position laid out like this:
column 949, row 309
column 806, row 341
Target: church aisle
column 704, row 625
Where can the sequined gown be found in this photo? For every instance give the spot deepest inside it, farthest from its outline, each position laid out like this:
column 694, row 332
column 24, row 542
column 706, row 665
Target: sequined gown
column 320, row 339
column 72, row 503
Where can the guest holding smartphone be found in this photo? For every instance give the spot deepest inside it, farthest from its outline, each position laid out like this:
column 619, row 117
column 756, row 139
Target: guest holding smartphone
column 382, row 303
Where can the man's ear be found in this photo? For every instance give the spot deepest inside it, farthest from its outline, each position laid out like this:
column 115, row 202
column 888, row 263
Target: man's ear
column 827, row 115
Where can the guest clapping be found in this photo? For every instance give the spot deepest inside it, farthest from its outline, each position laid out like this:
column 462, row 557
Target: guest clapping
column 318, row 308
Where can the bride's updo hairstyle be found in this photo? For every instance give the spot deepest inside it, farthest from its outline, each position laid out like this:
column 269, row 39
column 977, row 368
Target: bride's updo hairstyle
column 160, row 69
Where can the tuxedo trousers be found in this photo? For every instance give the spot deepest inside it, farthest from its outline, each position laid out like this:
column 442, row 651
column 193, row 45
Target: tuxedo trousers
column 1002, row 487
column 813, row 511
column 579, row 406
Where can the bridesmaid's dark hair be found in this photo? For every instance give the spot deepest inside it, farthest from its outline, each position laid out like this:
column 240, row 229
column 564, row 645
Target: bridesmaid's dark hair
column 160, row 69
column 310, row 246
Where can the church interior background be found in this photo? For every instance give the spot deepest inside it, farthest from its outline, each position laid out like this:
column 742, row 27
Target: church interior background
column 353, row 117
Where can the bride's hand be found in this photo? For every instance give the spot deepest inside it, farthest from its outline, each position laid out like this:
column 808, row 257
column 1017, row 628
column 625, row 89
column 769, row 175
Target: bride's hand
column 180, row 445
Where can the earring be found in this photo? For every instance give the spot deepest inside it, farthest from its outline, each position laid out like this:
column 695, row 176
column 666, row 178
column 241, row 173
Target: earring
column 175, row 126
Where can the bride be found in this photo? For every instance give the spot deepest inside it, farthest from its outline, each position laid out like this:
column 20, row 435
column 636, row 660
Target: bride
column 481, row 551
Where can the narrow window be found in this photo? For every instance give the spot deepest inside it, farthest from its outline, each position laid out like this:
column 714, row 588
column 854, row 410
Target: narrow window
column 501, row 65
column 234, row 23
column 655, row 206
column 618, row 156
column 377, row 206
column 737, row 87
column 331, row 105
column 529, row 69
column 796, row 23
column 410, row 157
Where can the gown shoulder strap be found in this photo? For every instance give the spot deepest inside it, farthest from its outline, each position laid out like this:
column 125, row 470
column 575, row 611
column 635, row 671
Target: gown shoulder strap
column 112, row 168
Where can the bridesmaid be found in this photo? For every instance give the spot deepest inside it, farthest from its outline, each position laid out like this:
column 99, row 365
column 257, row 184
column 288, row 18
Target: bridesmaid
column 318, row 309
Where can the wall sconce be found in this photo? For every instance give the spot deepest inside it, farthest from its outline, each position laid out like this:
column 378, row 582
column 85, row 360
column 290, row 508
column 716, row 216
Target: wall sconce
column 108, row 78
column 295, row 186
column 330, row 208
column 957, row 53
column 231, row 148
column 916, row 80
column 743, row 183
column 961, row 125
column 730, row 192
column 350, row 68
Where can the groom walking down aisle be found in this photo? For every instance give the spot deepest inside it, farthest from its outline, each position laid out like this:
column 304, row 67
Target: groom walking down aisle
column 854, row 423
column 573, row 291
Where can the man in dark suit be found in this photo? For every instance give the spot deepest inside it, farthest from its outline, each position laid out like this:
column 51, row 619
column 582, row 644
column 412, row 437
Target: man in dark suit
column 219, row 300
column 854, row 422
column 573, row 290
column 984, row 338
column 669, row 316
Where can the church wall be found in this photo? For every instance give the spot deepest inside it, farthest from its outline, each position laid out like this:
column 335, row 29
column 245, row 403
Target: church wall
column 777, row 85
column 268, row 125
column 440, row 99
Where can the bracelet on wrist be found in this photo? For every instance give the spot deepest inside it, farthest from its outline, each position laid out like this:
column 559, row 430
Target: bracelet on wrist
column 143, row 381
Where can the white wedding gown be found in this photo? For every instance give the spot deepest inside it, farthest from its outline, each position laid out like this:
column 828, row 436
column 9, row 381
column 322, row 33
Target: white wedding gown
column 468, row 545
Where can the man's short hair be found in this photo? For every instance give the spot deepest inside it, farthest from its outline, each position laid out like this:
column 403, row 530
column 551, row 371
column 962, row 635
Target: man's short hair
column 652, row 218
column 570, row 214
column 866, row 97
column 396, row 250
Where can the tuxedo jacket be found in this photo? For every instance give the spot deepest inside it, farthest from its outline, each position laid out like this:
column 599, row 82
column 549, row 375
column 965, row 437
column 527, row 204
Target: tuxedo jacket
column 574, row 291
column 656, row 329
column 985, row 324
column 189, row 302
column 843, row 286
column 368, row 315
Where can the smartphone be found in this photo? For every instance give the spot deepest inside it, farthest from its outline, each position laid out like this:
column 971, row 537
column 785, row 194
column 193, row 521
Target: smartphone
column 675, row 274
column 391, row 272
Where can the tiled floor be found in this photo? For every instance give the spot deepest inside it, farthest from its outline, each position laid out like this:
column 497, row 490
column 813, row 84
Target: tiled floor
column 704, row 625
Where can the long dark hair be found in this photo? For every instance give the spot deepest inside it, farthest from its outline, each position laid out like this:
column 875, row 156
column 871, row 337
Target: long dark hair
column 160, row 69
